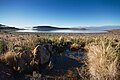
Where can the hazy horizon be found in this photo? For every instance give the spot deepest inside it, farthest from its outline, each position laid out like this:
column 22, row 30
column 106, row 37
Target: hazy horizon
column 60, row 13
column 62, row 26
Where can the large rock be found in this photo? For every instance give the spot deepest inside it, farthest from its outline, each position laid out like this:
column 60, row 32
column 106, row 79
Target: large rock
column 42, row 56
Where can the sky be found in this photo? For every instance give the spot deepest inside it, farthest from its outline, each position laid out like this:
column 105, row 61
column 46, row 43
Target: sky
column 60, row 13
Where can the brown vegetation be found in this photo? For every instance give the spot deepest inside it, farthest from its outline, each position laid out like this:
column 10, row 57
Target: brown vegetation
column 99, row 55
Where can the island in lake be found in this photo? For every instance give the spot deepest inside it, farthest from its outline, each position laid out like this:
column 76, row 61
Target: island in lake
column 47, row 28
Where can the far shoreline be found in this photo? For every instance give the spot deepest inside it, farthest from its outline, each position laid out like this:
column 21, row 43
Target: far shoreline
column 114, row 32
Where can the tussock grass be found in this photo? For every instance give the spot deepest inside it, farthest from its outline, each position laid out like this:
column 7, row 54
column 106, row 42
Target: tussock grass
column 102, row 51
column 102, row 61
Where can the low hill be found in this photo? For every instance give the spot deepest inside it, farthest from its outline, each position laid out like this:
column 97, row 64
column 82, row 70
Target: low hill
column 7, row 28
column 55, row 28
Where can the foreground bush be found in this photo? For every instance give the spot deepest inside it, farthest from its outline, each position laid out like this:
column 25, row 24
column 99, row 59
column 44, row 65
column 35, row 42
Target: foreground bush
column 3, row 46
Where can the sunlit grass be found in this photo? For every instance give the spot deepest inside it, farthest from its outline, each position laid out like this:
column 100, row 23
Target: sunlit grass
column 102, row 61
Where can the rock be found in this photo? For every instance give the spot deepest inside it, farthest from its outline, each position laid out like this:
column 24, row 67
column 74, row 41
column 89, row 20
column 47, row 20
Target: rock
column 42, row 56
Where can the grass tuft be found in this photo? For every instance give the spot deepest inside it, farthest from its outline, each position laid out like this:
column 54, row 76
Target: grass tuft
column 102, row 62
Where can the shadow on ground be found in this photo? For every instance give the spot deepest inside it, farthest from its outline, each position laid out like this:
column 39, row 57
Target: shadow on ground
column 61, row 63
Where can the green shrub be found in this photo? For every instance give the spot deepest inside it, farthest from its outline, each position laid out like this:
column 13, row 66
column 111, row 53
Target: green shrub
column 3, row 46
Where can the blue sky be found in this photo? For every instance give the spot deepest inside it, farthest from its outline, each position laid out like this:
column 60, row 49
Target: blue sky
column 61, row 13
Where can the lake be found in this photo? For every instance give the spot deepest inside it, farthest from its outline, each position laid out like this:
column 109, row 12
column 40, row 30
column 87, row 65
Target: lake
column 89, row 30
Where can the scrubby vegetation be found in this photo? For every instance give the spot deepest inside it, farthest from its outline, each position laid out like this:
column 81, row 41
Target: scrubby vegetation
column 98, row 55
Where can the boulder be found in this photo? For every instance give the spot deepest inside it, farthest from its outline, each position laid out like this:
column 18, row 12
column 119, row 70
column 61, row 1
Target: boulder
column 42, row 56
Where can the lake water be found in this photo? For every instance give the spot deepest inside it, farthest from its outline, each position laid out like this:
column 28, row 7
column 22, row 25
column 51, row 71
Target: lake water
column 89, row 30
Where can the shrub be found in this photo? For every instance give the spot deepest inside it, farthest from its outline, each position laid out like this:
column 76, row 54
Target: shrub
column 3, row 46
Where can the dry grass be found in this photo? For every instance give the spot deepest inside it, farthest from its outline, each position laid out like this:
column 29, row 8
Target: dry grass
column 102, row 58
column 102, row 61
